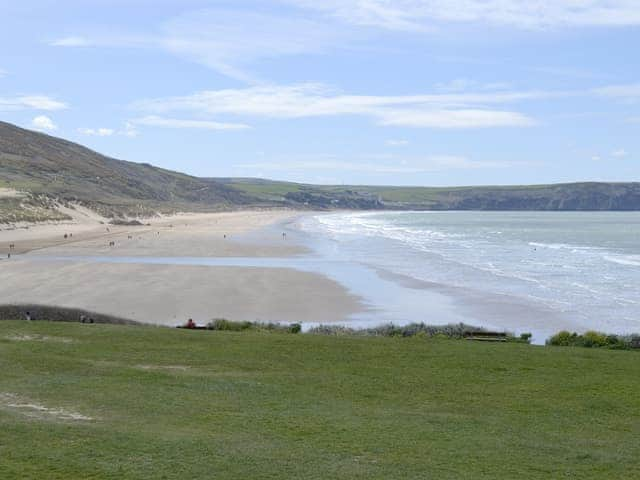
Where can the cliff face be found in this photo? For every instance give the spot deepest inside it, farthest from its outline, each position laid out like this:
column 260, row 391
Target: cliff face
column 576, row 196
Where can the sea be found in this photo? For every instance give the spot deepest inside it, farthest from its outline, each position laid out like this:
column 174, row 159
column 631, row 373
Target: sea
column 535, row 272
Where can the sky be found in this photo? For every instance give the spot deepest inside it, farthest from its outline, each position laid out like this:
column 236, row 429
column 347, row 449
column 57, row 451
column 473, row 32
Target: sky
column 404, row 92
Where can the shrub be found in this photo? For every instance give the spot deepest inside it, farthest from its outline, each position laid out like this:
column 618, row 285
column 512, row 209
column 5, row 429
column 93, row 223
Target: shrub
column 227, row 325
column 595, row 339
column 230, row 326
column 562, row 339
column 525, row 337
column 295, row 328
column 390, row 330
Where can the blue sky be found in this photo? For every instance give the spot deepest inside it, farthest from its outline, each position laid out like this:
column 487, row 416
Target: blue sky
column 407, row 92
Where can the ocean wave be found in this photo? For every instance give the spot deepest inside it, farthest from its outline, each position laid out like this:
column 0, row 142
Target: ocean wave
column 565, row 246
column 628, row 260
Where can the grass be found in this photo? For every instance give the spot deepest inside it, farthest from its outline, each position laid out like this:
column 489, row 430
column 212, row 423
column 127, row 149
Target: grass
column 28, row 209
column 177, row 404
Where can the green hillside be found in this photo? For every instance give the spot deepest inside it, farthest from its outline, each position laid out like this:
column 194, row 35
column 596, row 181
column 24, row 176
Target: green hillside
column 43, row 165
column 127, row 402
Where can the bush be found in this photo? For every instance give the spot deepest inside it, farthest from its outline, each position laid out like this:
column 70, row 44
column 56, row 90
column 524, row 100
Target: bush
column 295, row 328
column 420, row 330
column 562, row 339
column 525, row 337
column 593, row 339
column 223, row 324
column 227, row 325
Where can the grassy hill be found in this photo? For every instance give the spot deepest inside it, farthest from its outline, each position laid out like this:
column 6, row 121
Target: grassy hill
column 568, row 196
column 47, row 166
column 50, row 171
column 123, row 402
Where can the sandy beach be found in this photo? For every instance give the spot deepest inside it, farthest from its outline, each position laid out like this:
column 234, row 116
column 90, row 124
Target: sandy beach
column 167, row 294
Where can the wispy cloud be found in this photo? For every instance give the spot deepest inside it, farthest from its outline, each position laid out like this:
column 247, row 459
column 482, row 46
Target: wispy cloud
column 71, row 42
column 316, row 100
column 31, row 102
column 129, row 130
column 466, row 84
column 3, row 73
column 99, row 132
column 156, row 121
column 230, row 39
column 43, row 123
column 619, row 153
column 624, row 92
column 223, row 39
column 424, row 15
column 396, row 143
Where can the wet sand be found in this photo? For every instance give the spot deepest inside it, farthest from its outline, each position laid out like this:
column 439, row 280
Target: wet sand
column 169, row 294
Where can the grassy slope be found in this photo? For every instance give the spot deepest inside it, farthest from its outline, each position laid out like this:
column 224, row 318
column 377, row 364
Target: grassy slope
column 569, row 196
column 256, row 405
column 42, row 164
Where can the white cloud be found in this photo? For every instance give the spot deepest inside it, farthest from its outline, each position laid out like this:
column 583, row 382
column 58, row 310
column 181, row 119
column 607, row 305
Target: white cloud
column 228, row 39
column 99, row 132
column 465, row 84
column 396, row 143
column 466, row 110
column 408, row 166
column 596, row 158
column 155, row 121
column 129, row 130
column 3, row 73
column 71, row 42
column 43, row 123
column 619, row 153
column 424, row 15
column 628, row 92
column 223, row 39
column 31, row 102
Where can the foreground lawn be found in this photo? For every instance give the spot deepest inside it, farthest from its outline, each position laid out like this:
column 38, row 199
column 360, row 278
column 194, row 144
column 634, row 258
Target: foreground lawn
column 101, row 401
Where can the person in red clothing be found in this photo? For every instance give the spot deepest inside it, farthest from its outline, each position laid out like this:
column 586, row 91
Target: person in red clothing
column 190, row 324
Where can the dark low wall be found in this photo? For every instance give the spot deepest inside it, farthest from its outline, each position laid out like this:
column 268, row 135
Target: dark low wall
column 57, row 314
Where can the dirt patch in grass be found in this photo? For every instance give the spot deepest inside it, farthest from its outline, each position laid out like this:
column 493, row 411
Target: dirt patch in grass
column 30, row 408
column 37, row 338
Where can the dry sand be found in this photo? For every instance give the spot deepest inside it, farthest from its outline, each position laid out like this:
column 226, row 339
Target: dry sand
column 168, row 294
